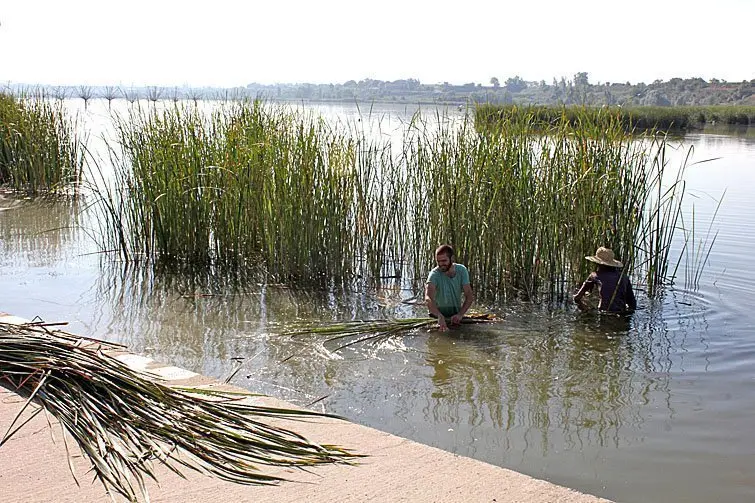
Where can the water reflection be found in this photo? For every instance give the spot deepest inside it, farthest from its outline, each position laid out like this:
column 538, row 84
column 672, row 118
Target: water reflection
column 36, row 232
column 538, row 383
column 574, row 379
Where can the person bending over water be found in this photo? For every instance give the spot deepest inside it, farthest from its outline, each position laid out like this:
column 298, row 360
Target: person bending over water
column 616, row 294
column 444, row 287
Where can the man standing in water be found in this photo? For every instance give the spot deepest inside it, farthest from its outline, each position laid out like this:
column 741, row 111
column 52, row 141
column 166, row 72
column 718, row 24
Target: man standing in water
column 444, row 287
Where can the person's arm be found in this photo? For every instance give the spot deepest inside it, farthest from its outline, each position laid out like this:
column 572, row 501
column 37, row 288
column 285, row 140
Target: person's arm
column 579, row 296
column 433, row 307
column 468, row 300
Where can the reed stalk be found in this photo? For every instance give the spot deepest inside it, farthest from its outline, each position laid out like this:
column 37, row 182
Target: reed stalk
column 261, row 190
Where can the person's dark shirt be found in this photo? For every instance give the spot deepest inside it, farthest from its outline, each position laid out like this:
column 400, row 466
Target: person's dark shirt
column 616, row 294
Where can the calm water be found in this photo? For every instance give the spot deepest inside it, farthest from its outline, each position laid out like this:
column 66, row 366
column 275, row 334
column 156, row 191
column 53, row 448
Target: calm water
column 657, row 409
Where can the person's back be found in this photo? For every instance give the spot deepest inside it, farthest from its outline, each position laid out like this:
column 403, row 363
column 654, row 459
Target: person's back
column 616, row 294
column 614, row 288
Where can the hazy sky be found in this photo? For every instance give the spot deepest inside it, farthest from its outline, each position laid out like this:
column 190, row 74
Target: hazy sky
column 227, row 43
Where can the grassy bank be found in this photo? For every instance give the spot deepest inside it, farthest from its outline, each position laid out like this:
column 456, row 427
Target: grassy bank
column 670, row 119
column 39, row 148
column 259, row 189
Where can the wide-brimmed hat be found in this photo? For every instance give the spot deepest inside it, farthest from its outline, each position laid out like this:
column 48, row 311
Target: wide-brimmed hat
column 604, row 256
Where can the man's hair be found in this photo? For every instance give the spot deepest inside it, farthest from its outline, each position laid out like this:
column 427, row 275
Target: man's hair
column 445, row 250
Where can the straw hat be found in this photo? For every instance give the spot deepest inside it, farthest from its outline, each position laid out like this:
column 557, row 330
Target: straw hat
column 605, row 256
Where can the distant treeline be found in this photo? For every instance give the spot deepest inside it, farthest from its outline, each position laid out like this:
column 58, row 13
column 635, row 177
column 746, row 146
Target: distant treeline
column 678, row 118
column 575, row 91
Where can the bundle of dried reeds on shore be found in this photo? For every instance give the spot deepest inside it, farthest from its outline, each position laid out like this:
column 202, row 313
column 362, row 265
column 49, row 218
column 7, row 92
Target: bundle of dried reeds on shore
column 123, row 420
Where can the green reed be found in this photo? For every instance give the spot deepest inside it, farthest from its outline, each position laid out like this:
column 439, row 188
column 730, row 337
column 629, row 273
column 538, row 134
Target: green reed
column 632, row 118
column 524, row 204
column 245, row 187
column 256, row 188
column 39, row 147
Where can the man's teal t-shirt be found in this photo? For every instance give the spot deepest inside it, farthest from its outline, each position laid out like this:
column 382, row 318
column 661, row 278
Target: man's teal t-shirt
column 448, row 290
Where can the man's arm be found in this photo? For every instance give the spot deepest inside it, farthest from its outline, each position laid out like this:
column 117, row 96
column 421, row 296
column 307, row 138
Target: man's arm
column 468, row 300
column 433, row 307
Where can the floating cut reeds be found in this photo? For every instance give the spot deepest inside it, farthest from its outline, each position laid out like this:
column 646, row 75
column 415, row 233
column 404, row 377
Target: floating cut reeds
column 123, row 420
column 39, row 149
column 349, row 333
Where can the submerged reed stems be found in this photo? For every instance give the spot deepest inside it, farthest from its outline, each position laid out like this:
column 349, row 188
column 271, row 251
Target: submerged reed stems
column 255, row 188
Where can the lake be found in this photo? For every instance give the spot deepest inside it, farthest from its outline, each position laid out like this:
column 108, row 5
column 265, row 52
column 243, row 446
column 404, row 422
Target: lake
column 658, row 408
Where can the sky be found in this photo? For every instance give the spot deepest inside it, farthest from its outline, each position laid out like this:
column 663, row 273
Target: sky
column 232, row 43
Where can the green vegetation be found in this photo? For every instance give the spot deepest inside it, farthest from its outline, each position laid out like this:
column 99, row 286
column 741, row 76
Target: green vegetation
column 39, row 149
column 577, row 90
column 123, row 421
column 522, row 206
column 249, row 188
column 256, row 189
column 680, row 118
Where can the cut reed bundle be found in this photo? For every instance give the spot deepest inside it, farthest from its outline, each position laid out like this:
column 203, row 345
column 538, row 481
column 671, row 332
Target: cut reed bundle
column 349, row 333
column 123, row 420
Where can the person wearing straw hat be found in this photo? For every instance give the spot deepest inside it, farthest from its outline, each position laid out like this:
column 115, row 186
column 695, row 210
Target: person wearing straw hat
column 616, row 294
column 444, row 287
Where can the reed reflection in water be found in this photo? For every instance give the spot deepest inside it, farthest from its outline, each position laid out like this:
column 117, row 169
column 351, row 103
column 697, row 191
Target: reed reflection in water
column 575, row 381
column 36, row 232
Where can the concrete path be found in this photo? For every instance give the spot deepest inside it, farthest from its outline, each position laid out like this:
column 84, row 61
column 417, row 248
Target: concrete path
column 35, row 467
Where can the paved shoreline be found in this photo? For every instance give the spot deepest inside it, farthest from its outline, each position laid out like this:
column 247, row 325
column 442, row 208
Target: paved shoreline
column 36, row 469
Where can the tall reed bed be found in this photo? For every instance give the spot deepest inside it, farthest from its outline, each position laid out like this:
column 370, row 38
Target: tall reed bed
column 632, row 118
column 247, row 187
column 253, row 187
column 39, row 147
column 525, row 205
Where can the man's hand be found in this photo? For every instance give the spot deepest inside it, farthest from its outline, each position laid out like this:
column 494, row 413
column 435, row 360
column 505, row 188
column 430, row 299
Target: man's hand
column 442, row 324
column 456, row 319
